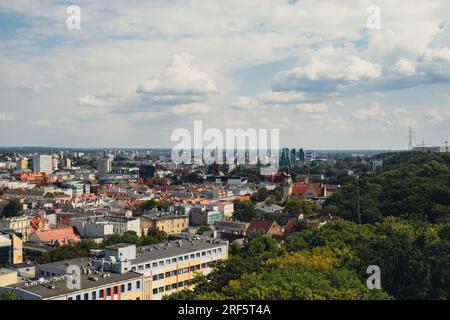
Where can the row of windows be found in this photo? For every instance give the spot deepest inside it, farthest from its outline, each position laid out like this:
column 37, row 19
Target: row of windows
column 101, row 293
column 172, row 286
column 173, row 273
column 180, row 258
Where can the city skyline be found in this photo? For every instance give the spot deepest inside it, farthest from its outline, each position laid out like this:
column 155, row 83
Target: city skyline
column 134, row 73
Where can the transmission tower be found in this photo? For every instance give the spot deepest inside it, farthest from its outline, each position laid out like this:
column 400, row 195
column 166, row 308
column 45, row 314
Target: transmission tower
column 411, row 137
column 358, row 200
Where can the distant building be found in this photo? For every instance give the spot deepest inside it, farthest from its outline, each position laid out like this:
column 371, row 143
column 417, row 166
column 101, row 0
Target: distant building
column 172, row 222
column 205, row 215
column 311, row 155
column 285, row 160
column 101, row 226
column 146, row 171
column 104, row 165
column 427, row 149
column 22, row 164
column 301, row 155
column 228, row 180
column 66, row 163
column 43, row 163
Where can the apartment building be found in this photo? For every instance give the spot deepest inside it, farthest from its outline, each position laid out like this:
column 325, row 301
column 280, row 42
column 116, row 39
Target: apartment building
column 17, row 225
column 90, row 285
column 172, row 222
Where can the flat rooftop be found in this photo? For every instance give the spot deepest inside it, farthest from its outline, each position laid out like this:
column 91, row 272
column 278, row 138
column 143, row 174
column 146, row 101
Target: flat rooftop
column 60, row 287
column 175, row 248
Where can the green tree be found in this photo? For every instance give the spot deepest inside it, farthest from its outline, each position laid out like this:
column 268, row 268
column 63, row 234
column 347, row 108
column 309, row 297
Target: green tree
column 203, row 229
column 9, row 295
column 244, row 211
column 12, row 208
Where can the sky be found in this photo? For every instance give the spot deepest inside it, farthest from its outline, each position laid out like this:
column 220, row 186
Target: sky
column 137, row 70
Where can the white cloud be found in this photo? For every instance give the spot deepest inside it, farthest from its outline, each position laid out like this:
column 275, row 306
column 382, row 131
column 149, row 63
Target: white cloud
column 373, row 113
column 190, row 109
column 311, row 108
column 180, row 77
column 405, row 67
column 40, row 123
column 245, row 103
column 5, row 116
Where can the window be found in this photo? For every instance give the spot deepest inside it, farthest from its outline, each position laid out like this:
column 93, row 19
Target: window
column 185, row 270
column 100, row 293
column 186, row 283
column 203, row 253
column 138, row 284
column 155, row 277
column 86, row 296
column 161, row 290
column 78, row 297
column 180, row 258
column 108, row 292
column 129, row 287
column 141, row 267
column 203, row 265
column 147, row 266
column 161, row 276
column 116, row 290
column 197, row 254
column 192, row 256
column 173, row 286
column 214, row 250
column 174, row 260
column 167, row 274
column 192, row 268
column 122, row 288
column 167, row 287
column 180, row 284
column 220, row 249
column 186, row 257
column 168, row 261
column 69, row 298
column 180, row 271
column 155, row 264
column 155, row 291
column 134, row 268
column 209, row 252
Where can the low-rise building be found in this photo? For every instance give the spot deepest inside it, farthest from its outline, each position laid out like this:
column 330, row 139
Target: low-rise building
column 18, row 225
column 201, row 215
column 171, row 222
column 101, row 226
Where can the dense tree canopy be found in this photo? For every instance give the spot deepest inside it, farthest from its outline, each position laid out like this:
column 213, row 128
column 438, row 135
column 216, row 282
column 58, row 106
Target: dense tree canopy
column 411, row 186
column 244, row 211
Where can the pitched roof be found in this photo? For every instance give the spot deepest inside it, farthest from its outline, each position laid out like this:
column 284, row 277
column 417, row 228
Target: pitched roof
column 260, row 225
column 62, row 235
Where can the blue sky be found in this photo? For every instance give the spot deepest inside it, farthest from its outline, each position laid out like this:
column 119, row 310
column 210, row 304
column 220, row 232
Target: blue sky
column 138, row 70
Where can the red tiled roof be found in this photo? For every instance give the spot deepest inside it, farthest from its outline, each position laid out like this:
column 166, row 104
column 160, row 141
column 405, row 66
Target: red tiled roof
column 62, row 235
